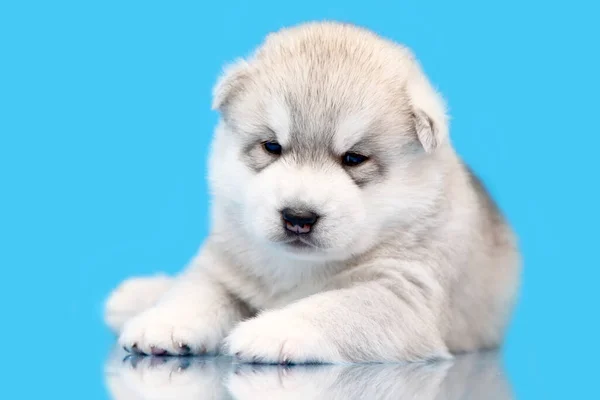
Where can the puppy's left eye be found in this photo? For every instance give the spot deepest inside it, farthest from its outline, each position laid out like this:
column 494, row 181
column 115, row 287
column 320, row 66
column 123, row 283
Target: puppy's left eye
column 353, row 159
column 272, row 147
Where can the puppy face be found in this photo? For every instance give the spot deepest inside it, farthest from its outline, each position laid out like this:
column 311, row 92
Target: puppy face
column 326, row 140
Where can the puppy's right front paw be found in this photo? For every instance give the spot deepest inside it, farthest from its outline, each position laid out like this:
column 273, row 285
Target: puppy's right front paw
column 132, row 297
column 173, row 330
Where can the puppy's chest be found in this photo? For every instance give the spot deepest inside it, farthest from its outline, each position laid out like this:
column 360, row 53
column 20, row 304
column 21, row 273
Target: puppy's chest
column 279, row 297
column 267, row 291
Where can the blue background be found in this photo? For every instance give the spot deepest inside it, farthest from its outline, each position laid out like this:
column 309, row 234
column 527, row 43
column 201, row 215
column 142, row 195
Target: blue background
column 105, row 123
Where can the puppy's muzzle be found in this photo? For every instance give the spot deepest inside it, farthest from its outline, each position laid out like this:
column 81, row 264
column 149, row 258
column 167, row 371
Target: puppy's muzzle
column 299, row 221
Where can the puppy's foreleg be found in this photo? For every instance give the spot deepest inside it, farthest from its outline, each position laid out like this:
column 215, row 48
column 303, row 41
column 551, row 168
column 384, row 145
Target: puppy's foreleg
column 192, row 317
column 394, row 316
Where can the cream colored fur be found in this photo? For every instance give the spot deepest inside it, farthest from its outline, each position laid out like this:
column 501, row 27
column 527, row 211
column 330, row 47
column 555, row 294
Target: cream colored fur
column 411, row 259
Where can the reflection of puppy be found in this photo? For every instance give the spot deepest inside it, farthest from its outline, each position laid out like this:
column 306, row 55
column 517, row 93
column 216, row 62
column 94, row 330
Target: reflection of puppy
column 333, row 382
column 341, row 211
column 472, row 376
column 138, row 377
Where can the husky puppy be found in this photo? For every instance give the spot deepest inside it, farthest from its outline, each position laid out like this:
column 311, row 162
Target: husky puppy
column 345, row 228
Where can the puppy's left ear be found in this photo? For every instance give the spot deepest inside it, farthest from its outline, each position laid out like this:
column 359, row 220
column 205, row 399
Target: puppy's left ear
column 428, row 110
column 229, row 84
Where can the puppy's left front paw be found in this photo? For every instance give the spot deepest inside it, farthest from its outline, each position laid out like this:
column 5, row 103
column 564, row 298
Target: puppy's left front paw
column 281, row 338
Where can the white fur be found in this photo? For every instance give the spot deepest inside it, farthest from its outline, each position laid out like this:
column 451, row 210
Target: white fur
column 410, row 261
column 279, row 337
column 195, row 312
column 133, row 296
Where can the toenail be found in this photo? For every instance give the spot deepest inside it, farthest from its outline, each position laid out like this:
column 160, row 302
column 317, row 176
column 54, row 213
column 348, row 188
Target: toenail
column 184, row 349
column 135, row 349
column 156, row 351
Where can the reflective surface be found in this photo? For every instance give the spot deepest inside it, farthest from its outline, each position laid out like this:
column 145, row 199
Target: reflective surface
column 473, row 376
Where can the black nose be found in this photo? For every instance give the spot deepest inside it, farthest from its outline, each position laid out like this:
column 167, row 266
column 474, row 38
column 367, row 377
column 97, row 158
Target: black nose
column 299, row 221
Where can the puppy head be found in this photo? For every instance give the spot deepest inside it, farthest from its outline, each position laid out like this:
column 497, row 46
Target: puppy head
column 327, row 140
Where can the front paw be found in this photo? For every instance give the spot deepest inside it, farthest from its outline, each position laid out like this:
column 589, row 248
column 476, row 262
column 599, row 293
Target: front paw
column 132, row 297
column 172, row 330
column 281, row 338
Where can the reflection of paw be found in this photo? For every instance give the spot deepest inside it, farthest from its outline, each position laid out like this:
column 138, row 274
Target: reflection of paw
column 252, row 381
column 280, row 337
column 132, row 297
column 175, row 330
column 349, row 382
column 149, row 378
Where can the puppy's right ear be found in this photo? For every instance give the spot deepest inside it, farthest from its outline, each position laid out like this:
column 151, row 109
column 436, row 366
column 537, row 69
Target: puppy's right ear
column 230, row 83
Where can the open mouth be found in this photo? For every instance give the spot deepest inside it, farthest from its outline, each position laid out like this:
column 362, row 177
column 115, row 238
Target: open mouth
column 301, row 229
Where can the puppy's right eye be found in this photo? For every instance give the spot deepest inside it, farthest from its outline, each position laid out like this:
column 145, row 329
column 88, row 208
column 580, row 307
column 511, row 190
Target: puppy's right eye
column 353, row 159
column 272, row 147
